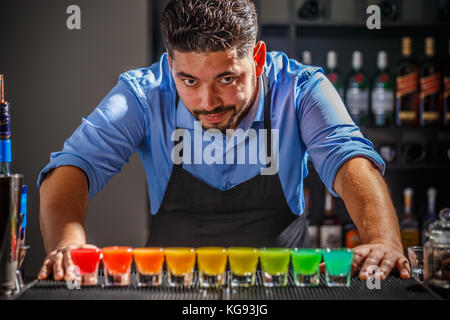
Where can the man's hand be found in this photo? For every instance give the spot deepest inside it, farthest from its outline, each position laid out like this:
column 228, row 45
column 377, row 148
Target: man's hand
column 370, row 206
column 59, row 262
column 385, row 256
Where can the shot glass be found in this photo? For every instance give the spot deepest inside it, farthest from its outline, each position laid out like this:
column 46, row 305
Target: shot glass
column 180, row 266
column 243, row 262
column 338, row 263
column 117, row 262
column 275, row 266
column 149, row 264
column 211, row 263
column 415, row 257
column 306, row 266
column 86, row 263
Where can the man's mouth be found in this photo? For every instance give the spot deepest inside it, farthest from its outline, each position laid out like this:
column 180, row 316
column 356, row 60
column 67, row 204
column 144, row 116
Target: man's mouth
column 215, row 117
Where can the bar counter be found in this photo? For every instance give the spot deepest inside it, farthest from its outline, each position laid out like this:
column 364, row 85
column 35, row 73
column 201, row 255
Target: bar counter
column 393, row 288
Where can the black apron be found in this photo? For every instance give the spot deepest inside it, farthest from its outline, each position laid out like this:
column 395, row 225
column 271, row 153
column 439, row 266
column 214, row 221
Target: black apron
column 254, row 213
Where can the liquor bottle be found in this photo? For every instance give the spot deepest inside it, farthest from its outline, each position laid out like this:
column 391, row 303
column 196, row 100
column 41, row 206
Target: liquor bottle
column 312, row 228
column 352, row 238
column 383, row 93
column 431, row 215
column 333, row 74
column 306, row 58
column 446, row 78
column 357, row 94
column 331, row 228
column 407, row 88
column 409, row 226
column 430, row 87
column 5, row 131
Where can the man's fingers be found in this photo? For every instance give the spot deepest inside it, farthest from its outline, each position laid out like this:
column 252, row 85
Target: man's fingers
column 58, row 271
column 68, row 265
column 359, row 255
column 403, row 267
column 373, row 260
column 387, row 265
column 45, row 269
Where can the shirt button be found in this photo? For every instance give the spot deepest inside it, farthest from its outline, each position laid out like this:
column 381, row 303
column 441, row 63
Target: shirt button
column 227, row 185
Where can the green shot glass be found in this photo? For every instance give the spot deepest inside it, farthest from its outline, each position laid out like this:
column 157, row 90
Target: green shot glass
column 243, row 263
column 338, row 266
column 275, row 266
column 306, row 266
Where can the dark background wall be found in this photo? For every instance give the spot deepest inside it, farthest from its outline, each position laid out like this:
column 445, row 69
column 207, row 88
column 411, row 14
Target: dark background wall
column 55, row 76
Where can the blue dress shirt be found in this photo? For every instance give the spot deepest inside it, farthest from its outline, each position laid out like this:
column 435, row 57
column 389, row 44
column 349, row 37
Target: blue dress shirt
column 139, row 115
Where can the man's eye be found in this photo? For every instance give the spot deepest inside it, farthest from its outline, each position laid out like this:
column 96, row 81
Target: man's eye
column 189, row 82
column 227, row 80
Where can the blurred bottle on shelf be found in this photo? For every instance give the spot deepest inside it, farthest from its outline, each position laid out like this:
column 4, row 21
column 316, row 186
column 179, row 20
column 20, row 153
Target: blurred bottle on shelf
column 383, row 93
column 431, row 215
column 307, row 58
column 430, row 87
column 352, row 238
column 313, row 229
column 333, row 73
column 357, row 94
column 409, row 226
column 330, row 229
column 446, row 95
column 407, row 88
column 5, row 131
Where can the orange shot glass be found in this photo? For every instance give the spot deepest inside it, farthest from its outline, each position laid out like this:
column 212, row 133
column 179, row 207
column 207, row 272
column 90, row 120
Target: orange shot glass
column 117, row 262
column 180, row 265
column 149, row 264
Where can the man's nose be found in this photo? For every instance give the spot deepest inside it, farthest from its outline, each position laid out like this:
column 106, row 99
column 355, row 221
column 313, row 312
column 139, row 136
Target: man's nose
column 209, row 99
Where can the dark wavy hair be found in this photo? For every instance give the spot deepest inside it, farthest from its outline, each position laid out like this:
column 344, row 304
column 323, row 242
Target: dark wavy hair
column 209, row 26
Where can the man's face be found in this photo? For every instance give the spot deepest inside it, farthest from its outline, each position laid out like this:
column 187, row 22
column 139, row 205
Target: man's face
column 218, row 88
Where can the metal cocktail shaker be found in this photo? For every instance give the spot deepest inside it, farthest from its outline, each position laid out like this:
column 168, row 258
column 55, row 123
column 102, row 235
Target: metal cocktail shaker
column 10, row 223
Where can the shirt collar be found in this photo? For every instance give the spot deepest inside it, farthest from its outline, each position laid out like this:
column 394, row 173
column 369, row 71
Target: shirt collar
column 185, row 119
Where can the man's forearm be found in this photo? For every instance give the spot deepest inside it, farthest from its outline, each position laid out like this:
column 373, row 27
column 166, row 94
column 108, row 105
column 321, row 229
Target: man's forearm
column 64, row 196
column 368, row 202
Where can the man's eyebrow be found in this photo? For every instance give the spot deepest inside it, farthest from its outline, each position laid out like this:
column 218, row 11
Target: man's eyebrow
column 220, row 75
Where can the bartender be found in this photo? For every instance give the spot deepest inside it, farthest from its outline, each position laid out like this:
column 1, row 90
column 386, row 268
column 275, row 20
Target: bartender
column 224, row 130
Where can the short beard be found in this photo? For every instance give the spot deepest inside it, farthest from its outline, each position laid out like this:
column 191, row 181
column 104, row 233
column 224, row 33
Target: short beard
column 236, row 116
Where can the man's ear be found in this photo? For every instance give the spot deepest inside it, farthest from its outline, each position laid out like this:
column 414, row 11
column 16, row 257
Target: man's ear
column 259, row 57
column 170, row 60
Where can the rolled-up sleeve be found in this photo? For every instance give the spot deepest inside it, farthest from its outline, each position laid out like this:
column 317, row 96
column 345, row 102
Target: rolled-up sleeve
column 105, row 140
column 330, row 135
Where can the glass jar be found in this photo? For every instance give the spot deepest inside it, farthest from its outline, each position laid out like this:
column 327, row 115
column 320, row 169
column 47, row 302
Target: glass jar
column 437, row 252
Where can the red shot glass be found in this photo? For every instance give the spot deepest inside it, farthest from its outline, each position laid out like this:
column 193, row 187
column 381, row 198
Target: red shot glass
column 86, row 261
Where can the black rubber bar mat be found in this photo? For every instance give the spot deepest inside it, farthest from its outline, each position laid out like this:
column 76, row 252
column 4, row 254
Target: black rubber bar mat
column 393, row 288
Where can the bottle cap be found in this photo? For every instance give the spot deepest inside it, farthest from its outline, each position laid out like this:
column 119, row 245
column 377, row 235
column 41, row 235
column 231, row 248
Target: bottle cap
column 408, row 192
column 357, row 60
column 429, row 46
column 406, row 46
column 2, row 92
column 432, row 192
column 331, row 60
column 382, row 60
column 307, row 57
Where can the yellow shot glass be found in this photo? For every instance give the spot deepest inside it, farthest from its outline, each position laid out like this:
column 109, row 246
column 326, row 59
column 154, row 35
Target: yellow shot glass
column 243, row 263
column 212, row 262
